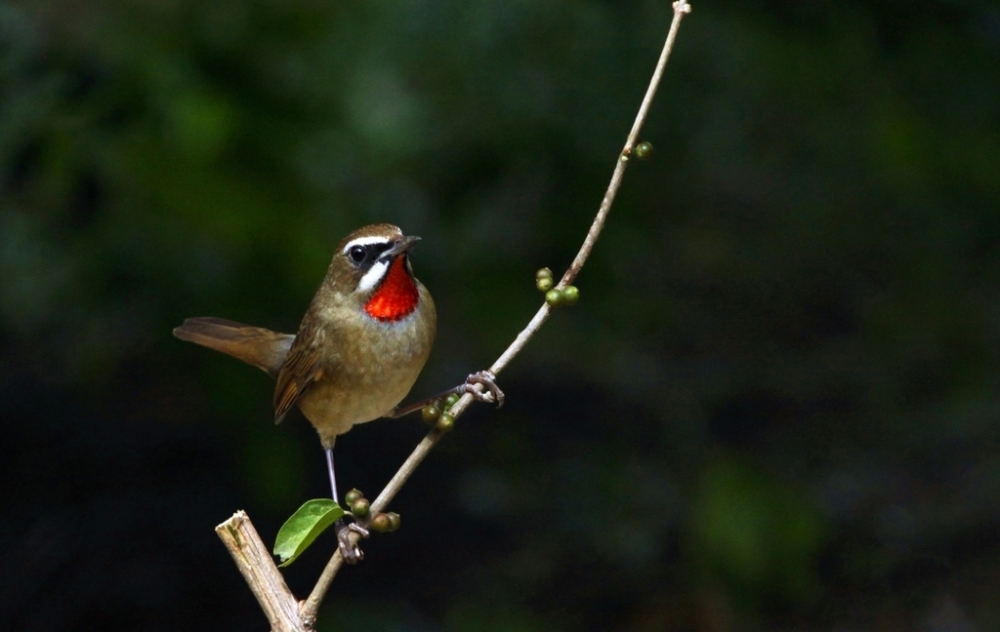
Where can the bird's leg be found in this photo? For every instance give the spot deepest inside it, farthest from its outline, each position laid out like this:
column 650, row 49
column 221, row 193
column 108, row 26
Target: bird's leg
column 489, row 393
column 351, row 553
column 333, row 477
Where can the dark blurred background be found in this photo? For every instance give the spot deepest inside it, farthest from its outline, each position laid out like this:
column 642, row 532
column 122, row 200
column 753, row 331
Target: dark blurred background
column 775, row 407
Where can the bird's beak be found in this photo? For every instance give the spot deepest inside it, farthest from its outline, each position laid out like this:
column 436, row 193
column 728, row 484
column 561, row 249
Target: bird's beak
column 399, row 247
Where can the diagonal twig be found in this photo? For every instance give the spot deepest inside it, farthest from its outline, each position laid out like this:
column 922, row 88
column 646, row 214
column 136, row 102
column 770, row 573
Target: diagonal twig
column 681, row 8
column 276, row 607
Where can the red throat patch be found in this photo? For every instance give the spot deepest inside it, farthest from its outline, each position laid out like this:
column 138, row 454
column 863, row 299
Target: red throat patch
column 397, row 296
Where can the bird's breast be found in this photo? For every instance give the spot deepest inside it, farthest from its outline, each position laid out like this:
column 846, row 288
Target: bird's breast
column 370, row 372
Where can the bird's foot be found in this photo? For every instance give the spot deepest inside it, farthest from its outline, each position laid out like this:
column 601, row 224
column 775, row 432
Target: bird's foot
column 350, row 551
column 482, row 386
column 489, row 392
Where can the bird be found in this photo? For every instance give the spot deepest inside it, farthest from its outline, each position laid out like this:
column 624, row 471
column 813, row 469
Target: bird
column 359, row 348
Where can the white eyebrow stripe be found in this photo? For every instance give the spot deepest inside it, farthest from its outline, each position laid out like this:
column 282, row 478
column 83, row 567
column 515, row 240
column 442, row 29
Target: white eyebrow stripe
column 373, row 276
column 364, row 241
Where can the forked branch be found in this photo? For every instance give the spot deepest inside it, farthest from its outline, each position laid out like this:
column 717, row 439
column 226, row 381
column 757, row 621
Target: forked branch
column 273, row 595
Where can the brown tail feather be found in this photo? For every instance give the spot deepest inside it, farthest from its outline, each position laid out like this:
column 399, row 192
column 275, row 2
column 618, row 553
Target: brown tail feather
column 262, row 348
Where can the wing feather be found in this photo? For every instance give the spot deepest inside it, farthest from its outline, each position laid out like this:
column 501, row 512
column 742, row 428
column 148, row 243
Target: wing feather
column 304, row 366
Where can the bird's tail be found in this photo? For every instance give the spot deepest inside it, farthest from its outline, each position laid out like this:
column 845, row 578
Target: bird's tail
column 262, row 348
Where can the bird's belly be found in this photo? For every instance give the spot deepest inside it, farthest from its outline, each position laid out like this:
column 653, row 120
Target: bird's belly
column 369, row 390
column 333, row 409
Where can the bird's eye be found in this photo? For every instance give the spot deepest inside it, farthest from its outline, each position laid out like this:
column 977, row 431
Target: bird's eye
column 357, row 254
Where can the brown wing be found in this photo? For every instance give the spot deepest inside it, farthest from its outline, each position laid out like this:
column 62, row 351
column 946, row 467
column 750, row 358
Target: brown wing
column 263, row 348
column 304, row 365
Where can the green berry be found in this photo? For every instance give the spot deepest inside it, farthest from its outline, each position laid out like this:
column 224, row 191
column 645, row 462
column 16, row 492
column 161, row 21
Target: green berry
column 430, row 413
column 544, row 273
column 445, row 422
column 451, row 400
column 545, row 284
column 644, row 150
column 554, row 297
column 570, row 294
column 394, row 521
column 360, row 507
column 381, row 523
column 353, row 496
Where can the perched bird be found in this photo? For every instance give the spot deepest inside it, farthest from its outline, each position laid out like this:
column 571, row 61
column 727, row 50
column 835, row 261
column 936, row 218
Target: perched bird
column 359, row 348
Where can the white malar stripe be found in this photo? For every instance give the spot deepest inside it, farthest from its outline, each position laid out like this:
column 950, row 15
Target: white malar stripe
column 364, row 241
column 373, row 276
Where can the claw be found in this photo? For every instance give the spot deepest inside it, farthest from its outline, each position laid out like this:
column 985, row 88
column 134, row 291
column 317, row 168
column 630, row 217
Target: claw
column 356, row 528
column 351, row 552
column 487, row 380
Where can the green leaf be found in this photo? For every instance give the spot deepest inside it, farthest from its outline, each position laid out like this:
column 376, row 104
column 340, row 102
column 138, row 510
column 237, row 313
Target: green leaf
column 305, row 525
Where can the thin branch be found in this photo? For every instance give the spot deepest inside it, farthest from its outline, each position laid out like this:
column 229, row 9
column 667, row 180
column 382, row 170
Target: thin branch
column 251, row 555
column 681, row 8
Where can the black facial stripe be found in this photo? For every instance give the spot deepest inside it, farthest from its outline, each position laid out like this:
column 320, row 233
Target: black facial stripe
column 365, row 255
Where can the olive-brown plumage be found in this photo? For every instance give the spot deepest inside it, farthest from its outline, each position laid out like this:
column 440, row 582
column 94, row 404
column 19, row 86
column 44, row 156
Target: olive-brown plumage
column 360, row 346
column 345, row 366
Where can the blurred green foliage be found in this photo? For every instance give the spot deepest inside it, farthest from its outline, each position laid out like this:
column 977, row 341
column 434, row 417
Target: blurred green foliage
column 775, row 406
